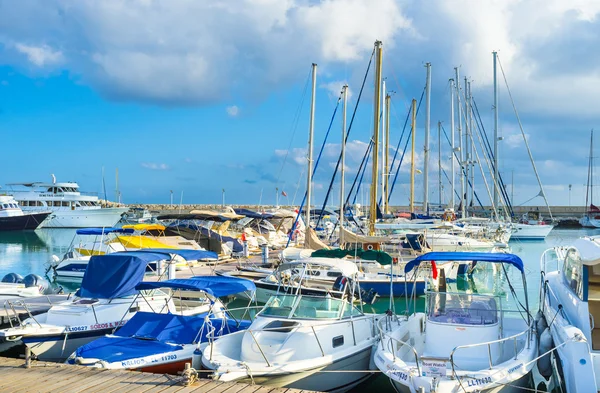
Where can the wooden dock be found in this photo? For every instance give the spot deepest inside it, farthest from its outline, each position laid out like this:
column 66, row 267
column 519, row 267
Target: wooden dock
column 56, row 377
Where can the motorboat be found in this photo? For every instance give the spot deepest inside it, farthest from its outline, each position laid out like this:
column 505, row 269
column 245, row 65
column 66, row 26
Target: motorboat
column 108, row 240
column 12, row 218
column 107, row 297
column 164, row 343
column 69, row 206
column 463, row 342
column 307, row 277
column 138, row 215
column 569, row 324
column 297, row 341
column 13, row 286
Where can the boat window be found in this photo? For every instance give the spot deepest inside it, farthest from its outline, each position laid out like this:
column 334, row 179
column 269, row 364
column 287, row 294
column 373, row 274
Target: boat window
column 281, row 326
column 461, row 308
column 56, row 203
column 334, row 274
column 573, row 273
column 65, row 204
column 25, row 203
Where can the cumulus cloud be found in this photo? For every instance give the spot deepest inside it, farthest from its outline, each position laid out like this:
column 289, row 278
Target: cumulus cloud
column 155, row 166
column 40, row 55
column 233, row 110
column 189, row 52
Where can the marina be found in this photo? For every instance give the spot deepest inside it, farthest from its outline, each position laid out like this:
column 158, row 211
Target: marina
column 335, row 196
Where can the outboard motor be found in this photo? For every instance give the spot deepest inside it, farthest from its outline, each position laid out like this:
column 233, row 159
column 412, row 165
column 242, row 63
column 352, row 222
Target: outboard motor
column 33, row 280
column 13, row 278
column 340, row 283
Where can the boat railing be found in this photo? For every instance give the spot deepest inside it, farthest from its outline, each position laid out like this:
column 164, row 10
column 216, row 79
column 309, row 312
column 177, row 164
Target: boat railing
column 559, row 255
column 385, row 327
column 489, row 344
column 294, row 330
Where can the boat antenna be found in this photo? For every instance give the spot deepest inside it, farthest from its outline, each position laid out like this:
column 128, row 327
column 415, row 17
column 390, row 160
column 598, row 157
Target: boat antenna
column 104, row 184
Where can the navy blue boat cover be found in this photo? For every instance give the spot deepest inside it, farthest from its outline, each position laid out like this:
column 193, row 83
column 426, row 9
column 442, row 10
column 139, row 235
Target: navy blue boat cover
column 216, row 286
column 148, row 333
column 466, row 256
column 101, row 231
column 116, row 275
column 253, row 214
column 188, row 255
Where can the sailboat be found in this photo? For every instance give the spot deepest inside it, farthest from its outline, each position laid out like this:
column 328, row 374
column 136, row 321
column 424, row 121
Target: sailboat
column 591, row 219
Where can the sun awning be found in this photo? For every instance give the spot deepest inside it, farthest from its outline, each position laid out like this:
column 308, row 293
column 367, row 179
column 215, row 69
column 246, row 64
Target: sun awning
column 510, row 259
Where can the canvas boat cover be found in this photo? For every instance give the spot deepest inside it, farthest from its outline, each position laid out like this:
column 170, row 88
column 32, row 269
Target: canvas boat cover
column 216, row 286
column 148, row 333
column 116, row 274
column 492, row 257
column 236, row 244
column 188, row 255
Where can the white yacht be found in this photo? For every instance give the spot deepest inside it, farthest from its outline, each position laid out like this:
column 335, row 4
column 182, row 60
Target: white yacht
column 463, row 342
column 297, row 341
column 570, row 305
column 70, row 208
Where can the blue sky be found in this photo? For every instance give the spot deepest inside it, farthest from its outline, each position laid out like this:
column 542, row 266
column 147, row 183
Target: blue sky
column 195, row 97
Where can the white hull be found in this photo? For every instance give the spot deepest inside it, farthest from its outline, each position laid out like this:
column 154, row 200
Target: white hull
column 85, row 218
column 530, row 232
column 57, row 348
column 319, row 378
column 446, row 242
column 589, row 222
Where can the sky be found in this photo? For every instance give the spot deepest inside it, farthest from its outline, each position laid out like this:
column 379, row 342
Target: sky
column 195, row 97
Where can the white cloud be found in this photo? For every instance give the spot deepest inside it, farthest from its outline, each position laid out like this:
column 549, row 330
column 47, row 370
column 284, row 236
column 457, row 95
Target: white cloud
column 155, row 166
column 190, row 52
column 335, row 89
column 233, row 110
column 40, row 55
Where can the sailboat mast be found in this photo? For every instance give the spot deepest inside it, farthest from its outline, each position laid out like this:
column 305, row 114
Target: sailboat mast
column 343, row 171
column 426, row 147
column 311, row 130
column 383, row 145
column 413, row 126
column 592, row 167
column 495, row 132
column 472, row 144
column 452, row 159
column 376, row 126
column 386, row 173
column 440, row 161
column 118, row 194
column 460, row 148
column 467, row 144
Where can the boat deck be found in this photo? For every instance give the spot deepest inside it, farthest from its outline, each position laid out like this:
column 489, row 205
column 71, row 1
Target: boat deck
column 11, row 311
column 56, row 377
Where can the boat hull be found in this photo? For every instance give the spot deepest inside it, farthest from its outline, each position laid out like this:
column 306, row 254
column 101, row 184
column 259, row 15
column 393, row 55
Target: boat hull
column 512, row 387
column 60, row 346
column 531, row 232
column 320, row 378
column 382, row 288
column 84, row 218
column 22, row 223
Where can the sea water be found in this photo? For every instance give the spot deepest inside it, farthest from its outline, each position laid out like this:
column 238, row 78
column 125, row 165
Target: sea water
column 32, row 251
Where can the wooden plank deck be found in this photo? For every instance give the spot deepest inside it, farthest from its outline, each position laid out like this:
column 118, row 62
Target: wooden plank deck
column 45, row 377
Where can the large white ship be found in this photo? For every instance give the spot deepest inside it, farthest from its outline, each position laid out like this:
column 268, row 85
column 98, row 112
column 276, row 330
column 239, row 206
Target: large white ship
column 70, row 208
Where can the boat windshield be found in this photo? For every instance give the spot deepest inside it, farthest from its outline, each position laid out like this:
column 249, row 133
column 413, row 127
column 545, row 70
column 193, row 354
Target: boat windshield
column 308, row 307
column 462, row 308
